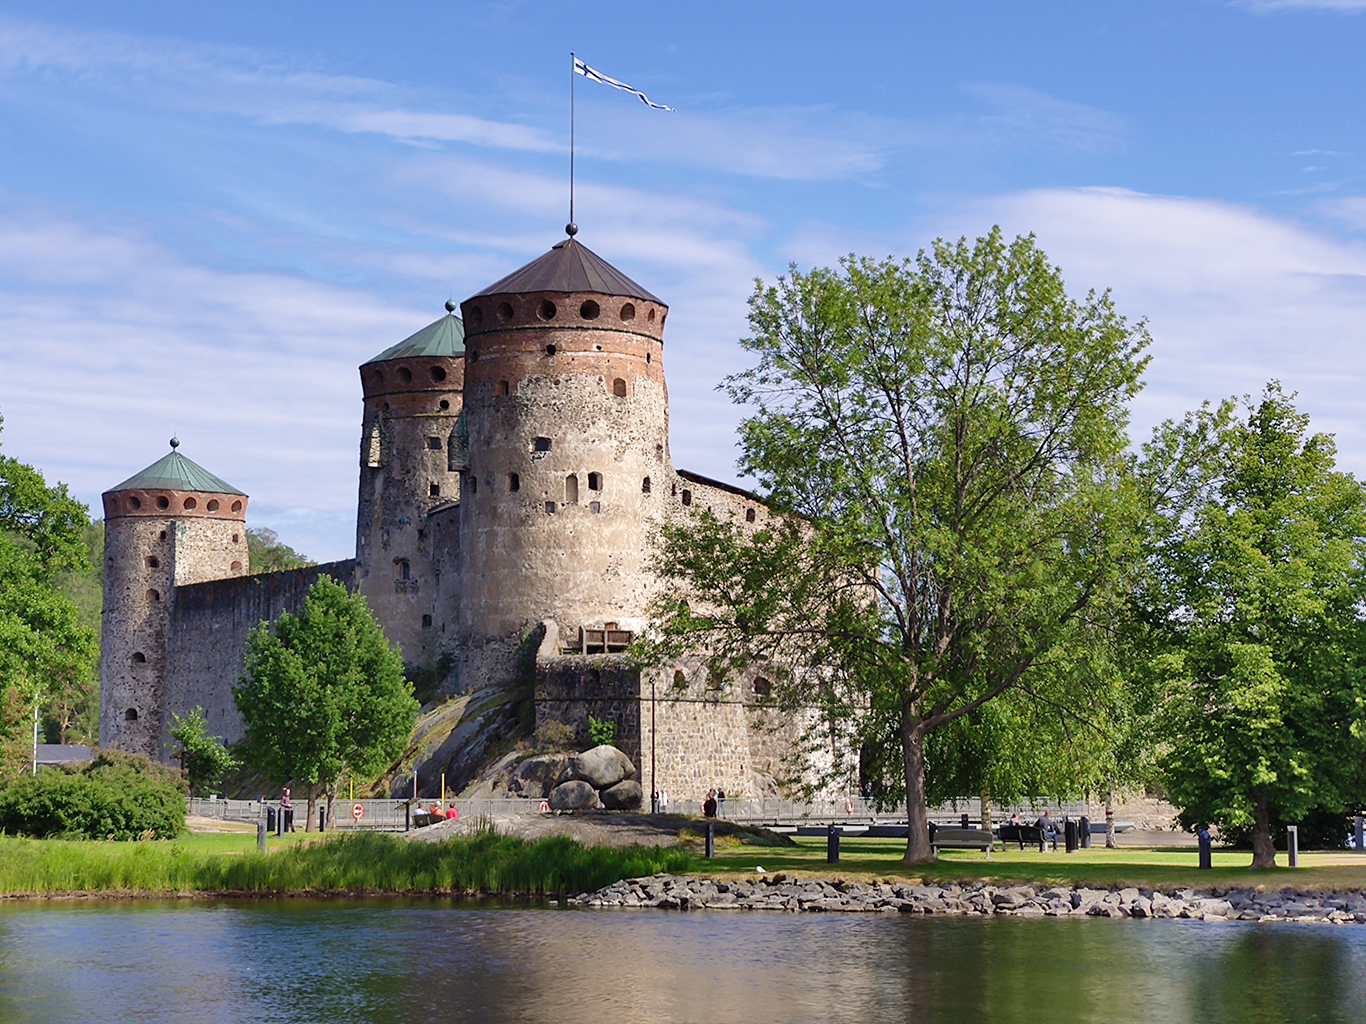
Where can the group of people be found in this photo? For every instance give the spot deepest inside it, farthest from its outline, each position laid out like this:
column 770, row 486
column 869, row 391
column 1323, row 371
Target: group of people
column 714, row 806
column 435, row 813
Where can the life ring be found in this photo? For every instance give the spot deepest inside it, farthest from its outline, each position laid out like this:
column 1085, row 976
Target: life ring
column 849, row 805
column 544, row 808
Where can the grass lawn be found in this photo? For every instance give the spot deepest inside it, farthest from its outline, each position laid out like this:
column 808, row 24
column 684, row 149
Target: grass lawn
column 1145, row 867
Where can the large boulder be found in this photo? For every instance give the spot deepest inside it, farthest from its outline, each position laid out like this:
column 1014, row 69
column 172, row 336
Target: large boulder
column 602, row 767
column 574, row 795
column 624, row 796
column 537, row 776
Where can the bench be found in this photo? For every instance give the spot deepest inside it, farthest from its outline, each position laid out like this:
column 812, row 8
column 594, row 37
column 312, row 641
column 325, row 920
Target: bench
column 1028, row 834
column 961, row 839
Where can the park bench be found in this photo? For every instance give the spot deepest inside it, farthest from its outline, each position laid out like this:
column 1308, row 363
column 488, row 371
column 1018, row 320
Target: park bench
column 961, row 839
column 1028, row 834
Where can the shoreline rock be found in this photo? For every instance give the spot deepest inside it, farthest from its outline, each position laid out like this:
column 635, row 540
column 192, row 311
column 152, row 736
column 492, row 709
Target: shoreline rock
column 822, row 895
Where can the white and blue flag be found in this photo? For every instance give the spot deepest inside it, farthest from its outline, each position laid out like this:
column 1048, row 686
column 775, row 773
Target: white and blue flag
column 597, row 76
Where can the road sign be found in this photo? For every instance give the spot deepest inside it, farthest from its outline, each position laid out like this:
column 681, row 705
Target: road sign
column 357, row 812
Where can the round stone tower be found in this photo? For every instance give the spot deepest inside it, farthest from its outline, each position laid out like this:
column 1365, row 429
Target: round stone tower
column 568, row 427
column 172, row 524
column 410, row 462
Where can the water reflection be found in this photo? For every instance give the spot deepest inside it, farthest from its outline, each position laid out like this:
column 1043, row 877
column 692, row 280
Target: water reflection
column 294, row 961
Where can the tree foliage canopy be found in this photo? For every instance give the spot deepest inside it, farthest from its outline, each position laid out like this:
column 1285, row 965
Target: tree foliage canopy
column 323, row 695
column 948, row 437
column 45, row 647
column 203, row 758
column 268, row 553
column 1258, row 587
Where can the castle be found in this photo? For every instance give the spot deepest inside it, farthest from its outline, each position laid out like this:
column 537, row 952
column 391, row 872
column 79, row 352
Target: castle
column 514, row 463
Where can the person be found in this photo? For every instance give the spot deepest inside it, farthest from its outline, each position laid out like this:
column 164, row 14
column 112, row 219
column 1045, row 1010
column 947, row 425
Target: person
column 709, row 804
column 1015, row 818
column 720, row 802
column 451, row 813
column 663, row 801
column 286, row 809
column 1049, row 830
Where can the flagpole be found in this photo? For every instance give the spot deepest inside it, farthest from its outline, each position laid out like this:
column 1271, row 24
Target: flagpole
column 571, row 140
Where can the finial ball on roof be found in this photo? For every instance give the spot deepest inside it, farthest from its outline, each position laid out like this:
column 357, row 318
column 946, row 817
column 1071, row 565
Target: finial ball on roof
column 450, row 305
column 175, row 442
column 571, row 229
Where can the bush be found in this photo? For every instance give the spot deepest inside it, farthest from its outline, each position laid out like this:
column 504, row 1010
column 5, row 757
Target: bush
column 553, row 737
column 119, row 796
column 603, row 732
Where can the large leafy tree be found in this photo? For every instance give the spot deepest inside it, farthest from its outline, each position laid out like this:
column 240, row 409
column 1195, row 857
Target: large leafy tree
column 45, row 647
column 323, row 695
column 1258, row 585
column 947, row 438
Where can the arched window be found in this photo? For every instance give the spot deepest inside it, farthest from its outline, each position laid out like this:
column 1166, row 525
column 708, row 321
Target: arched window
column 645, row 486
column 404, row 571
column 762, row 687
column 131, row 715
column 619, row 388
column 571, row 489
column 236, row 567
column 749, row 515
column 153, row 562
column 687, row 496
column 212, row 506
column 153, row 595
column 139, row 658
column 595, row 481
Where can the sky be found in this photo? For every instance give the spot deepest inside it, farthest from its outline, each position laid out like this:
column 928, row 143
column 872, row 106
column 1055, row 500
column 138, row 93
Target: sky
column 210, row 215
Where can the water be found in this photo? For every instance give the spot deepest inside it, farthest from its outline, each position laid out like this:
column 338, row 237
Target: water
column 395, row 962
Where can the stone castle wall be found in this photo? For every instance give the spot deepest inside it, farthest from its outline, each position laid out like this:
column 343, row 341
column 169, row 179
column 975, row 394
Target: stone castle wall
column 207, row 638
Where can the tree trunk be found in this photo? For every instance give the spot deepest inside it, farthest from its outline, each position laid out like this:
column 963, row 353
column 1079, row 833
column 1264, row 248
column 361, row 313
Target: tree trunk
column 918, row 849
column 1110, row 843
column 986, row 810
column 332, row 805
column 312, row 808
column 1263, row 849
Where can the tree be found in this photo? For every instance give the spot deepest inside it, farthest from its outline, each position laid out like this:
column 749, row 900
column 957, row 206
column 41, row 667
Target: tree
column 946, row 438
column 1258, row 584
column 45, row 648
column 267, row 553
column 323, row 695
column 203, row 758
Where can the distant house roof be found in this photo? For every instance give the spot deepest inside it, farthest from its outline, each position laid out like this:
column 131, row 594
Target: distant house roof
column 445, row 337
column 569, row 266
column 63, row 753
column 174, row 472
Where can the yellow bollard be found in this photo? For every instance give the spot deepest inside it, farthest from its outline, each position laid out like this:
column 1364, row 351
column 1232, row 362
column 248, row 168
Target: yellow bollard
column 443, row 791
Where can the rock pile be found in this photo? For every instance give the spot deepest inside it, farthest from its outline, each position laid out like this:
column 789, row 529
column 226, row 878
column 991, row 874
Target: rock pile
column 603, row 775
column 777, row 892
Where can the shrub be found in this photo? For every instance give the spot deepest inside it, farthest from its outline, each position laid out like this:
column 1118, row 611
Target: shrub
column 117, row 795
column 553, row 736
column 603, row 732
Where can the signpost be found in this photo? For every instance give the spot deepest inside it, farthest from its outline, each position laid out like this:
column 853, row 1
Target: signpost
column 357, row 812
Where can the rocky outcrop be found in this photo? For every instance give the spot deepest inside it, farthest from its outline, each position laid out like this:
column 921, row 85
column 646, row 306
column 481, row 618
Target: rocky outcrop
column 537, row 776
column 574, row 795
column 602, row 767
column 778, row 892
column 624, row 796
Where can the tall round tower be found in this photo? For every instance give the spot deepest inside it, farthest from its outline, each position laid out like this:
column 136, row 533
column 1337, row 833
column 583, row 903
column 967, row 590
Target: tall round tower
column 172, row 524
column 410, row 463
column 568, row 429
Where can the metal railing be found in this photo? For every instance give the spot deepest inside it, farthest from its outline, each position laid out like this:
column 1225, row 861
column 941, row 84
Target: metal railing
column 389, row 814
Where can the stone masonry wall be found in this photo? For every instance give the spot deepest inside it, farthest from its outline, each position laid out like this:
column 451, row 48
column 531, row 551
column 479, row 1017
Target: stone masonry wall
column 207, row 638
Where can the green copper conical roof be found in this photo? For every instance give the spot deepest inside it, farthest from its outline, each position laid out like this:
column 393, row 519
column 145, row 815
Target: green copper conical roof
column 174, row 472
column 445, row 337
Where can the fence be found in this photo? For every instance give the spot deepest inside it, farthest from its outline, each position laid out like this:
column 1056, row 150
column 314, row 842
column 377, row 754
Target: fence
column 389, row 815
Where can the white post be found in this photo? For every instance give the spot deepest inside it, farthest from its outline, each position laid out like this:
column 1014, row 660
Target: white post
column 35, row 735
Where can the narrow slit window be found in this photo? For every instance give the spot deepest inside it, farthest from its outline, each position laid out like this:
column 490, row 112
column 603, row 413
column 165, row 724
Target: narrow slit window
column 434, row 490
column 514, row 483
column 645, row 486
column 687, row 497
column 571, row 489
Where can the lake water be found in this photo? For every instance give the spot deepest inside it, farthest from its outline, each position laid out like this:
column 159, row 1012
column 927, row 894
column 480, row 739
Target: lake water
column 397, row 961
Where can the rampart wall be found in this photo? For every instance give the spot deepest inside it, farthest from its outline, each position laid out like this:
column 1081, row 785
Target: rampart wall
column 207, row 637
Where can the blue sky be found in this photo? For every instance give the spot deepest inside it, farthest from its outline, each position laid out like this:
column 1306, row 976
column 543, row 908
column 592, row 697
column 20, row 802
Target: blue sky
column 210, row 217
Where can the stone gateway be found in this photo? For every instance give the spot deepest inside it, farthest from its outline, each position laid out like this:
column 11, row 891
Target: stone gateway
column 514, row 465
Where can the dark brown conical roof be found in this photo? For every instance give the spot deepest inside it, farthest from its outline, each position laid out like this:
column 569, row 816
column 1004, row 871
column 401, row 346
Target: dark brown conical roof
column 569, row 267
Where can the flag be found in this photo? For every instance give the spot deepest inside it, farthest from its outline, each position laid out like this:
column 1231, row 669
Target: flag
column 597, row 76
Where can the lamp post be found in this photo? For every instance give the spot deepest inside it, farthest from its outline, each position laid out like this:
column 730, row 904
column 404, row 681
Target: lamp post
column 654, row 786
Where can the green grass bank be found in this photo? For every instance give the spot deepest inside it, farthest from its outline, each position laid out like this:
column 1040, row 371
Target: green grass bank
column 366, row 863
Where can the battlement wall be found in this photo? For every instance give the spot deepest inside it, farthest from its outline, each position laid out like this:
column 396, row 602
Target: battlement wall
column 207, row 638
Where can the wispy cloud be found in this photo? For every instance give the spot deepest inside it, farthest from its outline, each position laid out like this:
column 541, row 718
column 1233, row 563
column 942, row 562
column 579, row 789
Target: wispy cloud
column 1023, row 114
column 1277, row 6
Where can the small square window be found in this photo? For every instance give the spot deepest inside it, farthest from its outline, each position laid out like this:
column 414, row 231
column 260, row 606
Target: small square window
column 595, row 507
column 434, row 490
column 434, row 443
column 542, row 444
column 426, row 622
column 550, row 506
